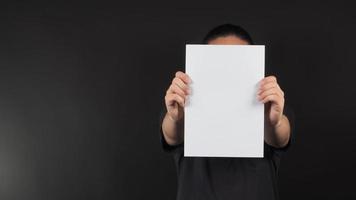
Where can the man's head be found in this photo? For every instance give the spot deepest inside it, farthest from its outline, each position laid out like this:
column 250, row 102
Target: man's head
column 228, row 34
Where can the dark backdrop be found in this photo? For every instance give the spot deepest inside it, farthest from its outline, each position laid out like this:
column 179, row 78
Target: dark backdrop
column 81, row 88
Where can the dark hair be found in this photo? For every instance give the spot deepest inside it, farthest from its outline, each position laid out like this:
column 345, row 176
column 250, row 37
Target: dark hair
column 227, row 30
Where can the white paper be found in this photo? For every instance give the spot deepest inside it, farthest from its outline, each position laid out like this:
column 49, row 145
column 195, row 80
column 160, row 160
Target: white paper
column 223, row 117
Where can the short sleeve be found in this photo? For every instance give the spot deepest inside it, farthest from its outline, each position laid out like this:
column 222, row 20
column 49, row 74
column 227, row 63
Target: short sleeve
column 165, row 146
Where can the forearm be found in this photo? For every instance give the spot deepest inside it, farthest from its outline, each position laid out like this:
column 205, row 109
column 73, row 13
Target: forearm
column 278, row 136
column 172, row 130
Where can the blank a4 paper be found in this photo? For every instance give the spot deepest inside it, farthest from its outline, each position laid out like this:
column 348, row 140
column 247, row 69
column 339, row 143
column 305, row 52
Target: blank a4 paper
column 223, row 117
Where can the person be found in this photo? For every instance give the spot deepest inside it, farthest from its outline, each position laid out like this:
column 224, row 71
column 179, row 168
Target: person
column 212, row 178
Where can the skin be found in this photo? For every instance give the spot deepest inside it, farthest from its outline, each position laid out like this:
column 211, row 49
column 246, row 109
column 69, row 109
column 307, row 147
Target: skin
column 277, row 127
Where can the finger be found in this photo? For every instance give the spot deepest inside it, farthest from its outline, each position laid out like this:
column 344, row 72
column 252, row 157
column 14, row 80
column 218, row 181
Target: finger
column 281, row 91
column 177, row 90
column 181, row 84
column 268, row 79
column 270, row 88
column 267, row 86
column 174, row 98
column 272, row 98
column 272, row 91
column 184, row 77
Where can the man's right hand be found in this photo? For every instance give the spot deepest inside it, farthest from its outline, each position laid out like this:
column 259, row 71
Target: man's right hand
column 176, row 96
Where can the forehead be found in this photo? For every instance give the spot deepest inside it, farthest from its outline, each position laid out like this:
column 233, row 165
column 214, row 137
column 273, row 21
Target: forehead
column 228, row 40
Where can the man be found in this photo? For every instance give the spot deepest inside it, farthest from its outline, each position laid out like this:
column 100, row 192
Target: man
column 227, row 178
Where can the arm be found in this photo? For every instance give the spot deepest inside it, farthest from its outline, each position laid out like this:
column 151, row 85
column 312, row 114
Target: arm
column 277, row 127
column 172, row 130
column 278, row 136
column 173, row 122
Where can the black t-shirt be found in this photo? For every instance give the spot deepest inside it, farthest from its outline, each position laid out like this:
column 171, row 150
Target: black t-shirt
column 209, row 178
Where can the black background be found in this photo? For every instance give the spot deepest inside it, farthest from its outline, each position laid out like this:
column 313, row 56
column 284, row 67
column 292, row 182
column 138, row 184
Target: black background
column 81, row 88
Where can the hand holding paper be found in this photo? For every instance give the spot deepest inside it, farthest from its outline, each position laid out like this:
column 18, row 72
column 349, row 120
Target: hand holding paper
column 176, row 95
